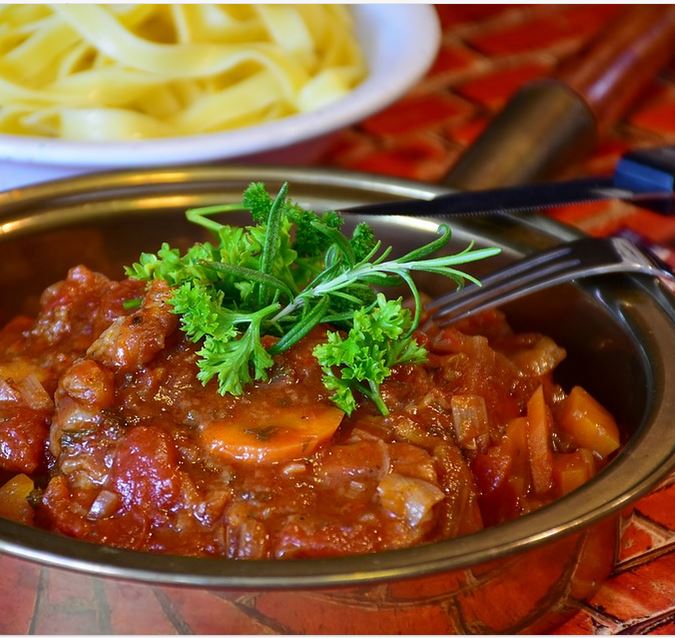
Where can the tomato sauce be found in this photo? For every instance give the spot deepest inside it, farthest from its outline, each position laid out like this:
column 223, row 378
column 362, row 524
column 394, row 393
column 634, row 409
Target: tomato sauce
column 108, row 435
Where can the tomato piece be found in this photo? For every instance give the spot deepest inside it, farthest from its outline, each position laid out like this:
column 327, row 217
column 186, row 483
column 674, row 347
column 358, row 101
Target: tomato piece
column 145, row 470
column 588, row 423
column 272, row 435
column 460, row 511
column 498, row 500
column 23, row 435
column 539, row 442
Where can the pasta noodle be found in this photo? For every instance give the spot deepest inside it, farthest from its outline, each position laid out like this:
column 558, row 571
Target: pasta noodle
column 120, row 72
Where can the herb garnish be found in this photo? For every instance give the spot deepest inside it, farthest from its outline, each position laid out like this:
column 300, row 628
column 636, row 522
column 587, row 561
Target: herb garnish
column 289, row 271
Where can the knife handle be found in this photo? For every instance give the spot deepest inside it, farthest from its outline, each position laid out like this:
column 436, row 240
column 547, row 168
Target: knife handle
column 617, row 66
column 551, row 122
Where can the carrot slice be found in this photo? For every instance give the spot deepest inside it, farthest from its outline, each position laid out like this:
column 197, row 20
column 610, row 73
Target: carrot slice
column 539, row 442
column 279, row 434
column 515, row 442
column 588, row 423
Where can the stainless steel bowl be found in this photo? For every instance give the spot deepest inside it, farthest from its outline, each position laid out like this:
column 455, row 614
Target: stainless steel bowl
column 620, row 335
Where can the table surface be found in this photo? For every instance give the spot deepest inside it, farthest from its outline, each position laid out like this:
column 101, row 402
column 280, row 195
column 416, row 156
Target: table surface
column 488, row 51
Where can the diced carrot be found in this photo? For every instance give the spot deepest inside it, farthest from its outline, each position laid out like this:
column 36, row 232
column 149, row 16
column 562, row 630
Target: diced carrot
column 573, row 469
column 515, row 436
column 588, row 423
column 13, row 503
column 277, row 435
column 539, row 442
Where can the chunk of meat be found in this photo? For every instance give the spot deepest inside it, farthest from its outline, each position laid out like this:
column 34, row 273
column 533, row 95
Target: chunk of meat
column 67, row 512
column 539, row 355
column 84, row 391
column 130, row 342
column 471, row 420
column 361, row 461
column 474, row 368
column 314, row 537
column 26, row 391
column 413, row 461
column 74, row 311
column 245, row 537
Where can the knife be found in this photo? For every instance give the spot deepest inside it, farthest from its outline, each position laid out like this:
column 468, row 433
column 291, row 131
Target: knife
column 645, row 177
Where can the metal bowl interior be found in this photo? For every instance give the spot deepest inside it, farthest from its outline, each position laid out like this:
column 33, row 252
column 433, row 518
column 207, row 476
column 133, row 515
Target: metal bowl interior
column 619, row 332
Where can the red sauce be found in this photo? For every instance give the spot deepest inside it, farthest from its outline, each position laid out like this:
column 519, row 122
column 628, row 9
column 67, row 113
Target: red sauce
column 127, row 448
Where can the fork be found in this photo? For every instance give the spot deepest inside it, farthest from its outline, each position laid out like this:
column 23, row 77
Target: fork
column 573, row 260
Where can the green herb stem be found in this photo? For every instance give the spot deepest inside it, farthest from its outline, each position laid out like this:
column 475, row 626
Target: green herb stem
column 283, row 275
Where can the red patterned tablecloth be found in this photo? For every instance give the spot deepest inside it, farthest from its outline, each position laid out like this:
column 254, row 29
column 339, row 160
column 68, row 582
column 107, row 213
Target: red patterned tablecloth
column 489, row 51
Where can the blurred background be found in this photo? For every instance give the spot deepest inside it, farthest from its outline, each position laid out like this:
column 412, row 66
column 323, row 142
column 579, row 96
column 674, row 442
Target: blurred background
column 488, row 53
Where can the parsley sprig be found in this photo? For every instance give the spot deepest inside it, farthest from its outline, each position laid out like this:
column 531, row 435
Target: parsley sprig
column 289, row 271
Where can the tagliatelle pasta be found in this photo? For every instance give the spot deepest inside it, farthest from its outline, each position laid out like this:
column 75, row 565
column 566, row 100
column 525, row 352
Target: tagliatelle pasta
column 120, row 72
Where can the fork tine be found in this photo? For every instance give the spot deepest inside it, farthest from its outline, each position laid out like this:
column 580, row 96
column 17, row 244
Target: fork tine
column 478, row 297
column 516, row 275
column 582, row 257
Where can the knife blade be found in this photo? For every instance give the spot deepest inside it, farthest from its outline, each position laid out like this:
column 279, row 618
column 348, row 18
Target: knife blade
column 644, row 177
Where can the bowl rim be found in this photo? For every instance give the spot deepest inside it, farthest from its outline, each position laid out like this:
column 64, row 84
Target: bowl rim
column 411, row 52
column 645, row 459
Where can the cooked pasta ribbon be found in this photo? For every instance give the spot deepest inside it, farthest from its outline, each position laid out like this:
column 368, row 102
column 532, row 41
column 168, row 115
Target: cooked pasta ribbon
column 120, row 72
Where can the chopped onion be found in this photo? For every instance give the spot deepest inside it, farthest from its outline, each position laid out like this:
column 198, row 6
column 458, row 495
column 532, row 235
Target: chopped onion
column 8, row 392
column 34, row 394
column 293, row 468
column 105, row 504
column 470, row 418
column 409, row 498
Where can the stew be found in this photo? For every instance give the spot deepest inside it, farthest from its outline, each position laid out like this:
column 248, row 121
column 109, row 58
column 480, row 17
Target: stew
column 107, row 435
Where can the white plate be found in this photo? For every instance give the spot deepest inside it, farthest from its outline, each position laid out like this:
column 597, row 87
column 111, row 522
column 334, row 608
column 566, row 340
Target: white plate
column 399, row 40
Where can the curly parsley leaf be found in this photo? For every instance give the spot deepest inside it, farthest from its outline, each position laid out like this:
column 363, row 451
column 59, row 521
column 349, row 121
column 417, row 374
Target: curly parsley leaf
column 236, row 359
column 365, row 357
column 290, row 270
